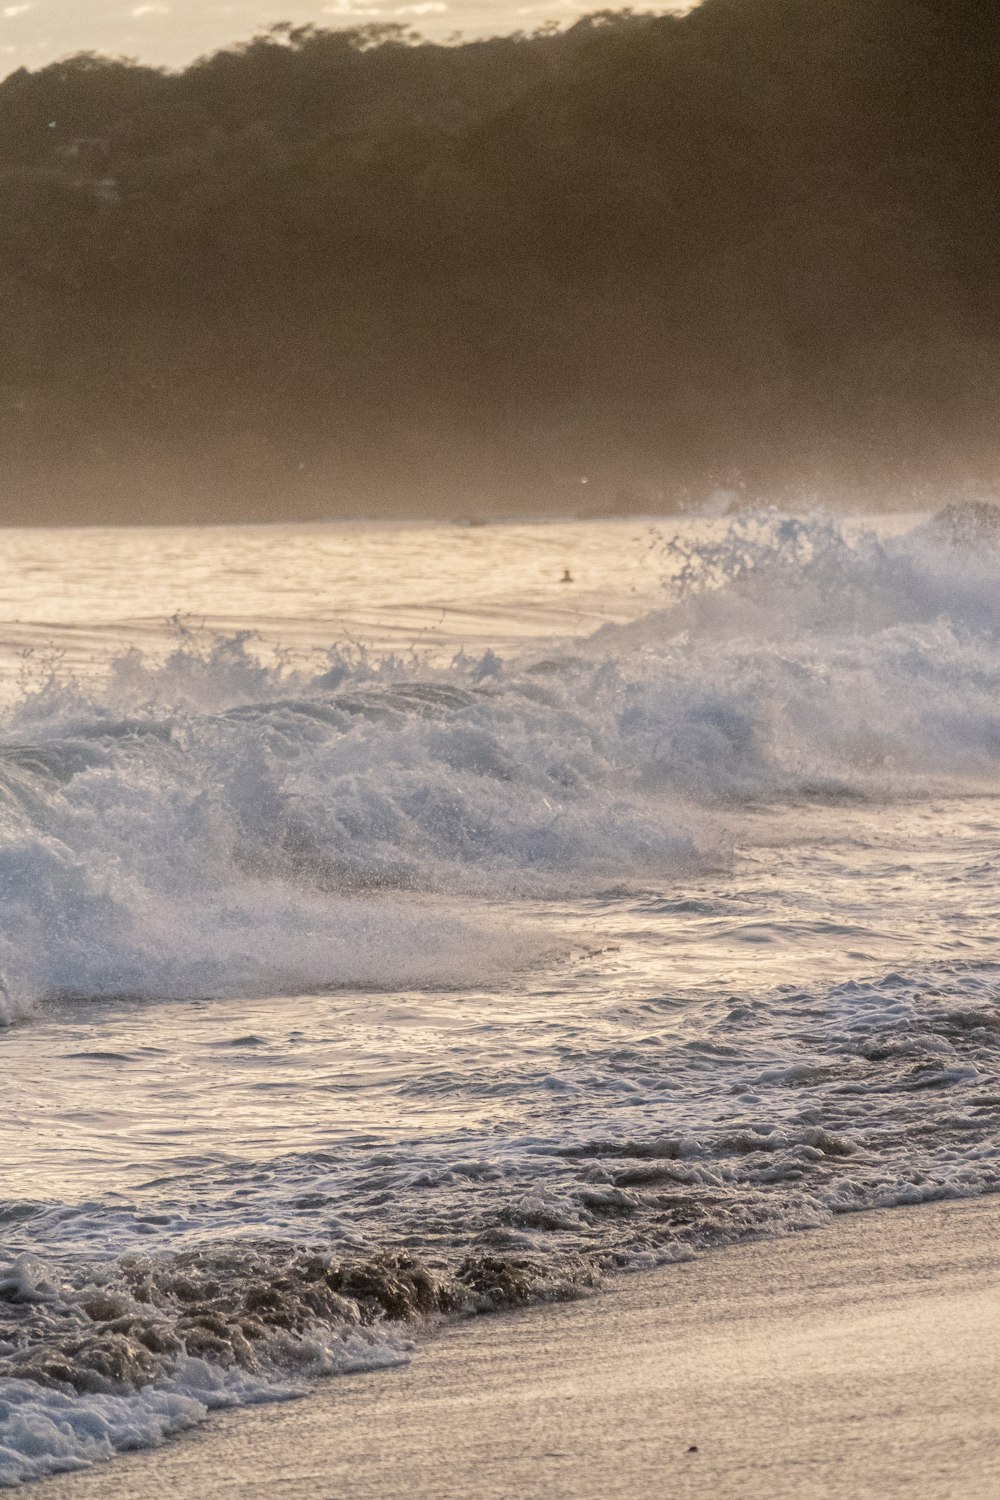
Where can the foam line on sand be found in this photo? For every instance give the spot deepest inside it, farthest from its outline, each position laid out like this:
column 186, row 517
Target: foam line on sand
column 861, row 1360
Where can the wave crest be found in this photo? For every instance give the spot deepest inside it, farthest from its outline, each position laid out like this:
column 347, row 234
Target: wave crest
column 214, row 824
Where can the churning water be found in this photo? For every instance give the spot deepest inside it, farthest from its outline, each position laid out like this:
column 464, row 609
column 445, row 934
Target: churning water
column 401, row 931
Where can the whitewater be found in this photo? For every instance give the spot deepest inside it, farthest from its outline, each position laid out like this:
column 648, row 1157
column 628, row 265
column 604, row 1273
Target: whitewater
column 391, row 931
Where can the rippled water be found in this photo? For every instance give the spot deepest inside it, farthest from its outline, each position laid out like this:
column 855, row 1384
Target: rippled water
column 349, row 985
column 81, row 596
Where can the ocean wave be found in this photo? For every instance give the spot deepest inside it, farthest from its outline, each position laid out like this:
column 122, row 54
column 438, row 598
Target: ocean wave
column 760, row 1121
column 215, row 825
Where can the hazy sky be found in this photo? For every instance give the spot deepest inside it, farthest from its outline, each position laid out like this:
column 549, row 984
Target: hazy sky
column 34, row 32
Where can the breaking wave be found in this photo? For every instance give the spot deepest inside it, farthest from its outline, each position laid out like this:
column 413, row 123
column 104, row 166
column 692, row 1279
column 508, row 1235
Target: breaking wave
column 213, row 825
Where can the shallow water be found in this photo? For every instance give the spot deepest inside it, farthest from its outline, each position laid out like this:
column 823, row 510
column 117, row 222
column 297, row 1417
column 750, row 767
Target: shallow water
column 605, row 923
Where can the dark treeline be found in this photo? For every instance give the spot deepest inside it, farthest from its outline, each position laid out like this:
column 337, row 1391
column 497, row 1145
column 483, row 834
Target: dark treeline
column 756, row 246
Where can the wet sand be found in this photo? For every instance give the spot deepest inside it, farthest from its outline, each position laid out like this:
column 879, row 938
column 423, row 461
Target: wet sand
column 861, row 1360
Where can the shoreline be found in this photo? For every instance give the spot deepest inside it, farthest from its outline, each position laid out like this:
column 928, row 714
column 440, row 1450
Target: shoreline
column 856, row 1360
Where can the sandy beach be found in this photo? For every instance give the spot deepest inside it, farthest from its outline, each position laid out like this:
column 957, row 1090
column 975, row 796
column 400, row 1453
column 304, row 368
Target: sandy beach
column 861, row 1360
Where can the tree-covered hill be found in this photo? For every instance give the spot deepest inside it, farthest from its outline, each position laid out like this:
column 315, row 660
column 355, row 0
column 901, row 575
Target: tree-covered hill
column 343, row 272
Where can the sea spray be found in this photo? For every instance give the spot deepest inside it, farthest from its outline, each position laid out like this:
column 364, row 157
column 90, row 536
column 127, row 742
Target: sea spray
column 202, row 844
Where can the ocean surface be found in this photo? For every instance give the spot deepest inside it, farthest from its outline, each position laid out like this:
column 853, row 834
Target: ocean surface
column 390, row 929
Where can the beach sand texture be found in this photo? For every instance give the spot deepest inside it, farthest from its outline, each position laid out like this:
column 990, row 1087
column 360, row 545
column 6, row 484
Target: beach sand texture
column 857, row 1361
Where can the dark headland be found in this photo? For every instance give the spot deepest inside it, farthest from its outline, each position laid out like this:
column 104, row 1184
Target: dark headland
column 754, row 247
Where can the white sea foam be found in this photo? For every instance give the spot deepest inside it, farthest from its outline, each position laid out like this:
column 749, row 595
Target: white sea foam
column 214, row 825
column 50, row 1431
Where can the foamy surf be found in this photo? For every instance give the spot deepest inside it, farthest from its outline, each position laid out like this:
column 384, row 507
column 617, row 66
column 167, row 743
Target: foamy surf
column 489, row 975
column 87, row 1406
column 155, row 844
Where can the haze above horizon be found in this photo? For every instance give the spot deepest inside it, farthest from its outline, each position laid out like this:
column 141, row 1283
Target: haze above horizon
column 172, row 33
